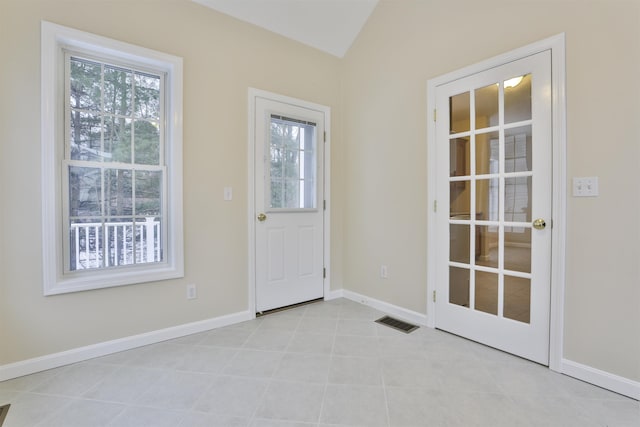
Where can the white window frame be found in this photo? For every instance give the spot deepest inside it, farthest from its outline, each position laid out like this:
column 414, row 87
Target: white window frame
column 54, row 39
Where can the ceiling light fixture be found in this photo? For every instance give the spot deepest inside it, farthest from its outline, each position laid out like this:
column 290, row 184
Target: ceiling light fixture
column 513, row 82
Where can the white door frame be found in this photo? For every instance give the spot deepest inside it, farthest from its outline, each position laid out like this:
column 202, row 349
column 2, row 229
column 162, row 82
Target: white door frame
column 556, row 45
column 251, row 220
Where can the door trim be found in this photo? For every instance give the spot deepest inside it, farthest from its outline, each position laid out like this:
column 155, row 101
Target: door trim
column 556, row 45
column 253, row 94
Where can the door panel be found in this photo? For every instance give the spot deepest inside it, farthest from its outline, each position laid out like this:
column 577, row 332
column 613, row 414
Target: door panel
column 494, row 279
column 288, row 199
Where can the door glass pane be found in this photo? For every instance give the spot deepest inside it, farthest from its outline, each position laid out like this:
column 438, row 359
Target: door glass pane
column 459, row 157
column 459, row 199
column 459, row 113
column 517, row 149
column 517, row 99
column 459, row 243
column 487, row 246
column 487, row 153
column 487, row 106
column 517, row 199
column 517, row 298
column 459, row 286
column 487, row 191
column 486, row 292
column 293, row 164
column 517, row 249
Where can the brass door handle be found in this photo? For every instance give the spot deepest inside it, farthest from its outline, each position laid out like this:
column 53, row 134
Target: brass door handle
column 539, row 224
column 261, row 217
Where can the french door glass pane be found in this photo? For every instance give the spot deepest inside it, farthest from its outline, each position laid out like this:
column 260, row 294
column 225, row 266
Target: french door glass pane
column 487, row 106
column 459, row 113
column 459, row 243
column 517, row 199
column 486, row 295
column 517, row 99
column 487, row 199
column 517, row 249
column 487, row 153
column 459, row 157
column 517, row 298
column 487, row 246
column 459, row 286
column 517, row 149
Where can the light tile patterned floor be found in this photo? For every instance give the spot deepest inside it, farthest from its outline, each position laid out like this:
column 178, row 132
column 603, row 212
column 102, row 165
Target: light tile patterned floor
column 325, row 364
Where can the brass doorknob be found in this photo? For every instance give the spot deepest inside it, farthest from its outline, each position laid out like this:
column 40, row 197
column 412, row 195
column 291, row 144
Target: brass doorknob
column 261, row 217
column 539, row 224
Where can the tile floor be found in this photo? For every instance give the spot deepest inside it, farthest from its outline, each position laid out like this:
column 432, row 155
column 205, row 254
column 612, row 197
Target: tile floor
column 324, row 364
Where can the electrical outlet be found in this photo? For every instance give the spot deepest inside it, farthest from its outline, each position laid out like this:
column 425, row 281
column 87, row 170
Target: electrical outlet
column 384, row 272
column 192, row 292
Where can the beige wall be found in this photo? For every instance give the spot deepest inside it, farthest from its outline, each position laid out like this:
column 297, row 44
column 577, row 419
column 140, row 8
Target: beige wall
column 407, row 42
column 222, row 58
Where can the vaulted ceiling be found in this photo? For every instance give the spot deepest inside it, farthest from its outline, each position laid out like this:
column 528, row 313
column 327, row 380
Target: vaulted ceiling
column 328, row 25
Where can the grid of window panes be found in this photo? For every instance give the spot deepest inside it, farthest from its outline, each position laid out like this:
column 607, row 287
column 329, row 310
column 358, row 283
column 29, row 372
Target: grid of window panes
column 114, row 165
column 490, row 183
column 292, row 148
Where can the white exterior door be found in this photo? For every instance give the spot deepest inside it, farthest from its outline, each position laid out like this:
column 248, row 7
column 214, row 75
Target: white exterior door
column 493, row 220
column 289, row 203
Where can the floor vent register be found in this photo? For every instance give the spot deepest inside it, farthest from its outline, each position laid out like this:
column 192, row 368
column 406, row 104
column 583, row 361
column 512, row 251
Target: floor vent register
column 397, row 324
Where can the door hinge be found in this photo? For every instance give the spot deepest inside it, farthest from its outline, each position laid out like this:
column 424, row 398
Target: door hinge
column 325, row 136
column 324, row 205
column 434, row 296
column 324, row 272
column 435, row 114
column 435, row 206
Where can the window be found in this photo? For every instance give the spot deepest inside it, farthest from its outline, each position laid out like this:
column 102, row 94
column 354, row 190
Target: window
column 293, row 169
column 112, row 178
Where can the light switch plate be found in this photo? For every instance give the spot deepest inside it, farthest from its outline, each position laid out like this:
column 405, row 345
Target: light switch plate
column 585, row 186
column 228, row 193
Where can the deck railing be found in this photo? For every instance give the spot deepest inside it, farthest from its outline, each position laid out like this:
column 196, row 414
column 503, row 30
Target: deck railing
column 110, row 244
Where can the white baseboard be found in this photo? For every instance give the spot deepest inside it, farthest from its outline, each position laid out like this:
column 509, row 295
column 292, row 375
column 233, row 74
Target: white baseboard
column 334, row 295
column 600, row 378
column 37, row 364
column 402, row 313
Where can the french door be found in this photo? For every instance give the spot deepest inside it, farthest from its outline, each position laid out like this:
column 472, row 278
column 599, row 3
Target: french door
column 493, row 222
column 288, row 199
